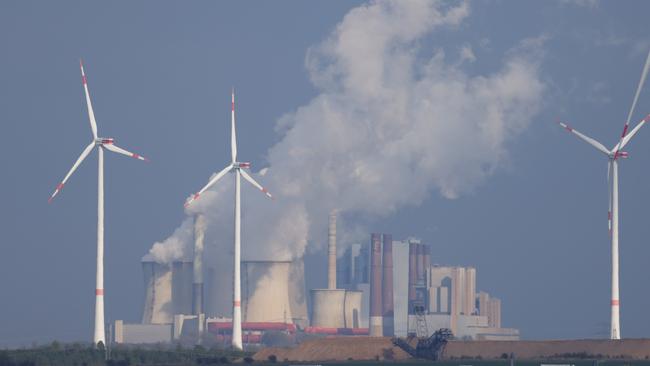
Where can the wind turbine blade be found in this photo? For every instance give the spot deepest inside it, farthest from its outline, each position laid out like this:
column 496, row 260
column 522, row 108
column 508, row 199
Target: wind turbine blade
column 644, row 74
column 233, row 133
column 636, row 129
column 253, row 182
column 210, row 183
column 81, row 158
column 587, row 139
column 119, row 150
column 91, row 114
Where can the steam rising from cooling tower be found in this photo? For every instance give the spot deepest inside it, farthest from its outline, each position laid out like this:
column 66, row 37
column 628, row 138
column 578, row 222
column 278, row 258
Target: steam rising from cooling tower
column 392, row 122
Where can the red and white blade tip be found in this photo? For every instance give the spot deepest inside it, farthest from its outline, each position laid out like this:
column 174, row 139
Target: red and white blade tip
column 564, row 125
column 140, row 157
column 56, row 191
column 192, row 199
column 266, row 192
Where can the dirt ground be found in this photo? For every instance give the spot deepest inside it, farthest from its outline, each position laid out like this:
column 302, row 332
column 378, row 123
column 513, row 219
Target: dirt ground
column 589, row 348
column 381, row 348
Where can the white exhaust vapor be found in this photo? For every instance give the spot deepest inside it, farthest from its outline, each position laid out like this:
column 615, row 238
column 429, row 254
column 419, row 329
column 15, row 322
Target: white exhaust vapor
column 100, row 143
column 394, row 119
column 613, row 155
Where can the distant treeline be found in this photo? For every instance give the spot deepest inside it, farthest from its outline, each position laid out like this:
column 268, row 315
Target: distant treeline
column 56, row 354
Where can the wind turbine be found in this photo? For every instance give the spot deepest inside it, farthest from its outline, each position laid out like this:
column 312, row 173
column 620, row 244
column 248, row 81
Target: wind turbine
column 612, row 215
column 238, row 168
column 100, row 143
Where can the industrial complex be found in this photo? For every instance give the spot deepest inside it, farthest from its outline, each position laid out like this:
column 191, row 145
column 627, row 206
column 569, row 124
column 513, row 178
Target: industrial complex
column 382, row 288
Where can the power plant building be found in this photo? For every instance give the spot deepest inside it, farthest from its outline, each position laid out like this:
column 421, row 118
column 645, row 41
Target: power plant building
column 440, row 296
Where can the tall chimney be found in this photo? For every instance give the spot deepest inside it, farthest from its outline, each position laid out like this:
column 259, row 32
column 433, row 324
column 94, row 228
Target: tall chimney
column 197, row 283
column 331, row 252
column 376, row 328
column 427, row 263
column 420, row 264
column 387, row 288
column 412, row 275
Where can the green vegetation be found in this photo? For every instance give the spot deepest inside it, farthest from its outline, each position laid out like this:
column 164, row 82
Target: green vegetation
column 78, row 354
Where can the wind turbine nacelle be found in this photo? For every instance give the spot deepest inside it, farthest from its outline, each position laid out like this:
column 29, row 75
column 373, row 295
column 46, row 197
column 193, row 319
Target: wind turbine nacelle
column 245, row 165
column 104, row 140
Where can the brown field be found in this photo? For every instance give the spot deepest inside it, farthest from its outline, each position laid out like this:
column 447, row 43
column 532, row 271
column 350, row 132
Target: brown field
column 381, row 348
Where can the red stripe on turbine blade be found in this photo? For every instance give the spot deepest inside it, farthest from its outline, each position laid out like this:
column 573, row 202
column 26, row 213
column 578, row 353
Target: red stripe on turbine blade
column 624, row 131
column 84, row 80
column 135, row 156
column 236, row 303
column 99, row 292
column 59, row 187
column 615, row 302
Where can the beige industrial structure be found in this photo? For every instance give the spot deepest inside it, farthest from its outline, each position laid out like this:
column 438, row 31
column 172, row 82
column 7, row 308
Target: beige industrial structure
column 446, row 293
column 158, row 308
column 332, row 307
column 271, row 294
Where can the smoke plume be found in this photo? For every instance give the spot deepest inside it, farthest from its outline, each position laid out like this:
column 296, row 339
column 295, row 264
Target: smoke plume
column 395, row 119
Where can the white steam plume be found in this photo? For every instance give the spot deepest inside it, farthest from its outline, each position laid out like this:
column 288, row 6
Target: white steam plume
column 388, row 127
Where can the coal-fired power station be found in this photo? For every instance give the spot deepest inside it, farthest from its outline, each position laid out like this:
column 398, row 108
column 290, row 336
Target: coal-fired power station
column 380, row 288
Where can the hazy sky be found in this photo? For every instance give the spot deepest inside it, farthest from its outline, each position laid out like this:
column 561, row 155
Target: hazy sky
column 459, row 103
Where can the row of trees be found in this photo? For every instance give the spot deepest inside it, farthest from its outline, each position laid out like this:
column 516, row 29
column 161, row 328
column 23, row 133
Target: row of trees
column 78, row 354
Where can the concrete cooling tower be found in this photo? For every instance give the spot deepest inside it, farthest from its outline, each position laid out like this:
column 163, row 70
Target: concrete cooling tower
column 273, row 292
column 182, row 287
column 158, row 308
column 168, row 291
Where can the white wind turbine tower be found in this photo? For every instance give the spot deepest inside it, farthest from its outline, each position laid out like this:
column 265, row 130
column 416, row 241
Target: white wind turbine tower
column 238, row 168
column 100, row 143
column 612, row 168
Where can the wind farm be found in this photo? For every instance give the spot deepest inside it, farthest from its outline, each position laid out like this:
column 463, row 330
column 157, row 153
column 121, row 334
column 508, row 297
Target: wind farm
column 425, row 207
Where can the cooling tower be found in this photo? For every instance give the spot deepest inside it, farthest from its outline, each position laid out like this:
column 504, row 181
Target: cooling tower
column 376, row 328
column 387, row 286
column 158, row 293
column 297, row 299
column 412, row 276
column 331, row 252
column 352, row 312
column 265, row 291
column 197, row 283
column 182, row 287
column 328, row 308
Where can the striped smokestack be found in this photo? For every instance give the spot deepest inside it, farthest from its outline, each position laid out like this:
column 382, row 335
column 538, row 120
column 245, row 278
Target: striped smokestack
column 197, row 282
column 387, row 288
column 412, row 275
column 376, row 328
column 331, row 252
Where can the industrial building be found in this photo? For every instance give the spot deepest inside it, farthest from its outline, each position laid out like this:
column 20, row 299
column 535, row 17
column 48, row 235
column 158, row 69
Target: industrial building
column 335, row 310
column 384, row 287
column 436, row 296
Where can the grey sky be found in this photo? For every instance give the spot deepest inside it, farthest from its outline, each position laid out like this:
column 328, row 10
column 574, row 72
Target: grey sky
column 160, row 76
